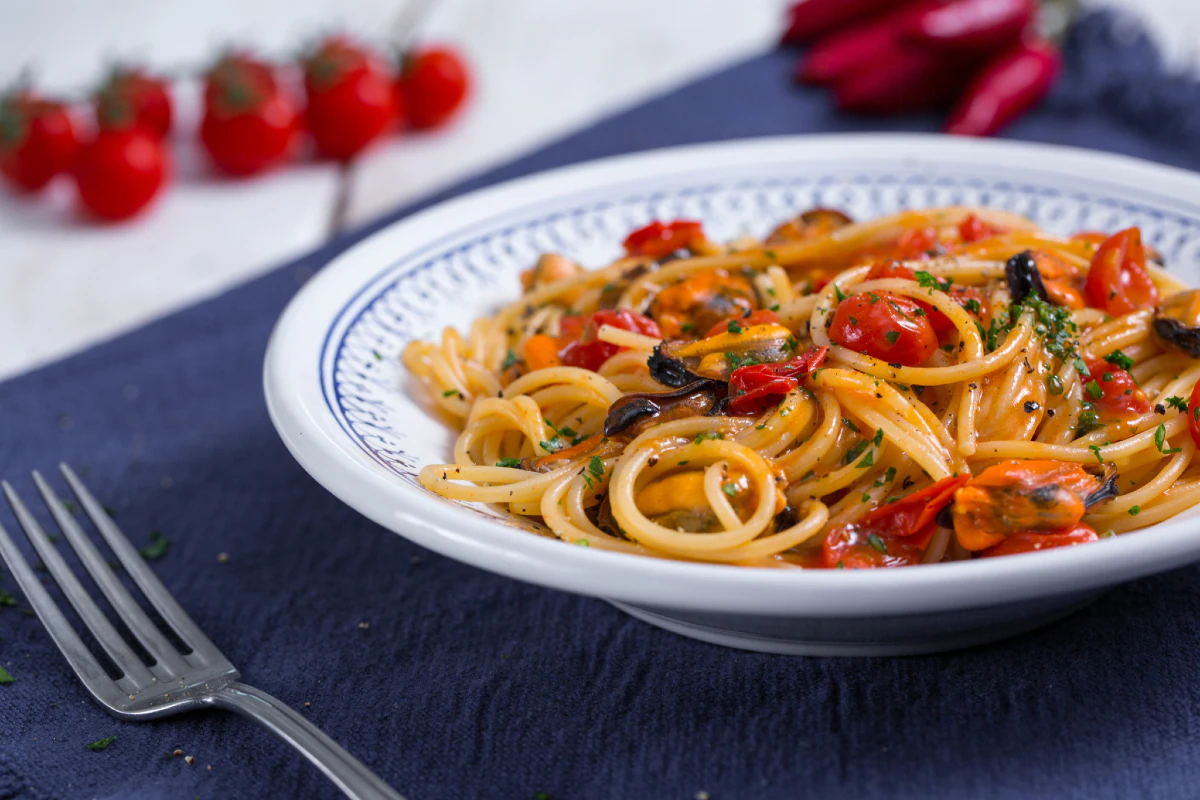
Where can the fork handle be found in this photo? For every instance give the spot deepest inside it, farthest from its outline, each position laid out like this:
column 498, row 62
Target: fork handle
column 350, row 774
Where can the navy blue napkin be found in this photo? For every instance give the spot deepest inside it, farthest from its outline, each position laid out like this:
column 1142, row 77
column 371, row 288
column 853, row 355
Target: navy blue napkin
column 453, row 683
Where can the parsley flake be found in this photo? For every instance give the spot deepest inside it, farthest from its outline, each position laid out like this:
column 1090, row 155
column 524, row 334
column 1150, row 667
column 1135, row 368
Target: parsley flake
column 1178, row 403
column 875, row 541
column 1119, row 359
column 157, row 547
column 892, row 336
column 102, row 743
column 512, row 463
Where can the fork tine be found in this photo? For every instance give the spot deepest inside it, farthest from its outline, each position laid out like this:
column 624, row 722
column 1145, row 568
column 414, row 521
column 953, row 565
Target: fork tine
column 164, row 653
column 89, row 613
column 102, row 687
column 203, row 649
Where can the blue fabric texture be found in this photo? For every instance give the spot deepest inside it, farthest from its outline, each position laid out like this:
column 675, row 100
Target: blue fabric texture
column 469, row 685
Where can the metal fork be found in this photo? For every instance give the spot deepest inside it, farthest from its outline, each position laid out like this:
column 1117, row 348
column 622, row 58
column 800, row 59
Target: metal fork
column 176, row 681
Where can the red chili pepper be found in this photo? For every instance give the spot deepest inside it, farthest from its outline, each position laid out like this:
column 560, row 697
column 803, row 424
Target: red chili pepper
column 755, row 388
column 657, row 240
column 973, row 25
column 1011, row 84
column 893, row 535
column 903, row 78
column 845, row 51
column 809, row 19
column 973, row 229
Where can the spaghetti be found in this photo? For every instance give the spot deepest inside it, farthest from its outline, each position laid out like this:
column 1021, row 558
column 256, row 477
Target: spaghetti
column 934, row 385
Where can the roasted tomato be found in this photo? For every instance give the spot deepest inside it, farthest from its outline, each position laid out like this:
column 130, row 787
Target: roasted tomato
column 1118, row 281
column 1113, row 390
column 1032, row 541
column 886, row 326
column 755, row 388
column 657, row 240
column 1024, row 496
column 581, row 348
column 967, row 297
column 973, row 229
column 701, row 300
column 893, row 535
column 918, row 243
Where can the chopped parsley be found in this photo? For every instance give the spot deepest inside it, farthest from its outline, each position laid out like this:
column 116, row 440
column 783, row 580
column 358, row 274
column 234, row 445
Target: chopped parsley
column 512, row 463
column 892, row 336
column 552, row 445
column 1178, row 403
column 729, row 489
column 1135, row 510
column 841, row 564
column 1095, row 448
column 854, row 452
column 451, row 392
column 733, row 326
column 1160, row 439
column 849, row 424
column 888, row 477
column 377, row 355
column 875, row 541
column 973, row 305
column 874, row 298
column 582, row 542
column 737, row 362
column 927, row 280
column 1108, row 534
column 705, row 435
column 157, row 547
column 868, row 460
column 1081, row 367
column 1054, row 384
column 1094, row 391
column 1089, row 421
column 1119, row 359
column 596, row 466
column 687, row 327
column 878, row 440
column 837, row 291
column 6, row 598
column 564, row 432
column 5, row 678
column 102, row 743
column 510, row 360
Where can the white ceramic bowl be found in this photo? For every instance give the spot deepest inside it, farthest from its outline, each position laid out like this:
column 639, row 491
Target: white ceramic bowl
column 346, row 410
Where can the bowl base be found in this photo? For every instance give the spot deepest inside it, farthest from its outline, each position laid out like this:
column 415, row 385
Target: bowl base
column 876, row 636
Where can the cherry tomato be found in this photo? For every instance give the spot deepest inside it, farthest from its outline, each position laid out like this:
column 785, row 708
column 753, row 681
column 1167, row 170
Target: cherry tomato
column 1032, row 541
column 581, row 348
column 249, row 125
column 434, row 83
column 37, row 141
column 351, row 99
column 131, row 97
column 893, row 535
column 973, row 229
column 1113, row 390
column 967, row 297
column 1193, row 412
column 761, row 316
column 120, row 172
column 917, row 243
column 657, row 240
column 1118, row 281
column 886, row 326
column 755, row 388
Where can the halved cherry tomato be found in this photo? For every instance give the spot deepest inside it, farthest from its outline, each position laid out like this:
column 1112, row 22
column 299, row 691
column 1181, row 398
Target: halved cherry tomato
column 963, row 295
column 1113, row 389
column 973, row 229
column 1118, row 281
column 886, row 326
column 1032, row 541
column 917, row 243
column 893, row 535
column 760, row 317
column 657, row 240
column 755, row 388
column 586, row 350
column 1193, row 412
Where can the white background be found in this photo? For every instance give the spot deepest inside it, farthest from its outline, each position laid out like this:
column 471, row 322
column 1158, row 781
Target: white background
column 543, row 69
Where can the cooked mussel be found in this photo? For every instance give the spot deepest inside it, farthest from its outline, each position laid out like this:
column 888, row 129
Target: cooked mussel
column 691, row 306
column 812, row 223
column 668, row 370
column 1024, row 278
column 1177, row 322
column 632, row 414
column 718, row 356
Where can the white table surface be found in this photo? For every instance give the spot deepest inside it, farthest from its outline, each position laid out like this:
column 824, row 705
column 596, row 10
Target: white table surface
column 543, row 69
